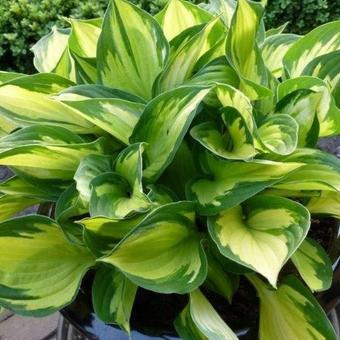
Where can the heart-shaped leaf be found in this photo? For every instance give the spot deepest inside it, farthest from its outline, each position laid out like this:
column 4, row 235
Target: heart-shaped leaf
column 271, row 227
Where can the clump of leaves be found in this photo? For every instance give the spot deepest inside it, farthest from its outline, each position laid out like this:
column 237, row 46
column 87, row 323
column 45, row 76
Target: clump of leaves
column 172, row 150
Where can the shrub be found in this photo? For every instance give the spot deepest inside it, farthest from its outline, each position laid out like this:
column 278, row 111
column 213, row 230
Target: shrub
column 174, row 153
column 23, row 22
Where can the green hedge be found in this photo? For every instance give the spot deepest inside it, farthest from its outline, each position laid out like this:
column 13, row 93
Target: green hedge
column 23, row 22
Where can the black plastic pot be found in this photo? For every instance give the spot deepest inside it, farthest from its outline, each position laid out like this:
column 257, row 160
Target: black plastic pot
column 151, row 320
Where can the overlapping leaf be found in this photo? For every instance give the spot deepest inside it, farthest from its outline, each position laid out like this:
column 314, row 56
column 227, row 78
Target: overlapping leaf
column 163, row 253
column 40, row 272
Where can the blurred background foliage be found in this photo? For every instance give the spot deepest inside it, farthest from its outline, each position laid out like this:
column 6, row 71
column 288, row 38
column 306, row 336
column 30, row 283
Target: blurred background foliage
column 23, row 22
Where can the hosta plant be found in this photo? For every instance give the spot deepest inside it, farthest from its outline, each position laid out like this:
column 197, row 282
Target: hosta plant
column 176, row 153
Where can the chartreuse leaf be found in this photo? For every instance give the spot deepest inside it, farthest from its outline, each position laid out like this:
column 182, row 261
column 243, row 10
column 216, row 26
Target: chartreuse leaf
column 279, row 133
column 274, row 49
column 101, row 234
column 132, row 49
column 228, row 183
column 40, row 134
column 40, row 272
column 116, row 116
column 207, row 320
column 236, row 140
column 316, row 101
column 113, row 296
column 272, row 227
column 327, row 68
column 90, row 167
column 242, row 50
column 13, row 204
column 120, row 194
column 290, row 312
column 93, row 91
column 166, row 118
column 186, row 328
column 83, row 47
column 50, row 161
column 314, row 265
column 178, row 15
column 159, row 194
column 26, row 101
column 181, row 64
column 51, row 54
column 163, row 253
column 321, row 171
column 327, row 203
column 20, row 187
column 322, row 40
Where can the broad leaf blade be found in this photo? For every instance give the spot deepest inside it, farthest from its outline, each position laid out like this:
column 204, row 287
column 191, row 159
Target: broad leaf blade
column 272, row 227
column 290, row 312
column 132, row 49
column 166, row 118
column 227, row 183
column 40, row 272
column 176, row 264
column 178, row 15
column 322, row 40
column 314, row 265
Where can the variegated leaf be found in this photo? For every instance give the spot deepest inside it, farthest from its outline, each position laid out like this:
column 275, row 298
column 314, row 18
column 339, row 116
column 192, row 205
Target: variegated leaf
column 101, row 234
column 279, row 134
column 327, row 203
column 207, row 320
column 242, row 50
column 52, row 55
column 319, row 171
column 40, row 272
column 119, row 194
column 176, row 264
column 178, row 15
column 132, row 49
column 223, row 8
column 13, row 204
column 290, row 312
column 113, row 297
column 306, row 99
column 274, row 49
column 227, row 182
column 314, row 265
column 327, row 68
column 181, row 64
column 90, row 167
column 166, row 118
column 116, row 116
column 272, row 227
column 50, row 161
column 26, row 101
column 322, row 40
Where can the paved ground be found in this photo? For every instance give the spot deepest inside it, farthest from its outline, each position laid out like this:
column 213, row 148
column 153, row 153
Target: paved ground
column 13, row 327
